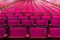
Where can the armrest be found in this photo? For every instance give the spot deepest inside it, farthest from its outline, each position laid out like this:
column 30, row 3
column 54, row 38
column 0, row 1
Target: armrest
column 19, row 24
column 50, row 24
column 5, row 35
column 4, row 24
column 48, row 35
column 34, row 24
column 27, row 35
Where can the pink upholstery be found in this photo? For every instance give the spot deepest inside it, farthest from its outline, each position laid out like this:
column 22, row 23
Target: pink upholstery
column 56, row 17
column 54, row 32
column 55, row 22
column 2, row 16
column 46, row 17
column 42, row 22
column 2, row 22
column 28, row 22
column 2, row 32
column 13, row 22
column 38, row 33
column 12, row 17
column 35, row 17
column 22, row 17
column 17, row 33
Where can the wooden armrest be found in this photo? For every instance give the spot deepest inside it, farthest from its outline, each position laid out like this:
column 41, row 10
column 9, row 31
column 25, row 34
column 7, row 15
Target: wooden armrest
column 50, row 24
column 48, row 35
column 5, row 35
column 19, row 24
column 34, row 24
column 4, row 24
column 27, row 35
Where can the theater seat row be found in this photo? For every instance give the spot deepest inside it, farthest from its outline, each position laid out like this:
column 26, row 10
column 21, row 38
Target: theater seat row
column 33, row 33
column 30, row 22
column 34, row 20
column 46, row 10
column 24, row 22
column 20, row 16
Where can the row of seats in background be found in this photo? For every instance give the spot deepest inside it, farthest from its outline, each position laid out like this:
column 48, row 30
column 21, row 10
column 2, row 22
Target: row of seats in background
column 18, row 23
column 22, row 16
column 34, row 9
column 53, row 23
column 37, row 14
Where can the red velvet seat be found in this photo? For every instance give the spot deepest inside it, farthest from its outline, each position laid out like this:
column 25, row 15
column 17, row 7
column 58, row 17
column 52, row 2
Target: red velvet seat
column 2, row 22
column 13, row 23
column 2, row 16
column 55, row 23
column 46, row 17
column 2, row 32
column 28, row 22
column 17, row 33
column 12, row 17
column 8, row 14
column 56, row 17
column 22, row 17
column 42, row 22
column 35, row 17
column 38, row 32
column 54, row 32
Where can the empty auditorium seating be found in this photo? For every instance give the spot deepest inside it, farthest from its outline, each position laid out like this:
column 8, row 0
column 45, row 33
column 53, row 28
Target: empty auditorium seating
column 38, row 32
column 9, row 14
column 18, row 14
column 42, row 22
column 17, row 11
column 53, row 7
column 17, row 33
column 56, row 17
column 46, row 17
column 2, row 32
column 37, row 13
column 22, row 17
column 9, row 10
column 12, row 17
column 13, row 23
column 30, row 19
column 35, row 17
column 55, row 23
column 54, row 32
column 3, row 11
column 28, row 14
column 28, row 22
column 2, row 16
column 2, row 23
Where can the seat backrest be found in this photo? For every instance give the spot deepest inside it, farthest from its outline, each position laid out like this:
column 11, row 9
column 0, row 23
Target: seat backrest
column 54, row 32
column 56, row 17
column 22, row 17
column 55, row 22
column 2, row 32
column 42, row 22
column 2, row 22
column 13, row 22
column 38, row 32
column 35, row 17
column 12, row 17
column 28, row 22
column 18, row 32
column 46, row 17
